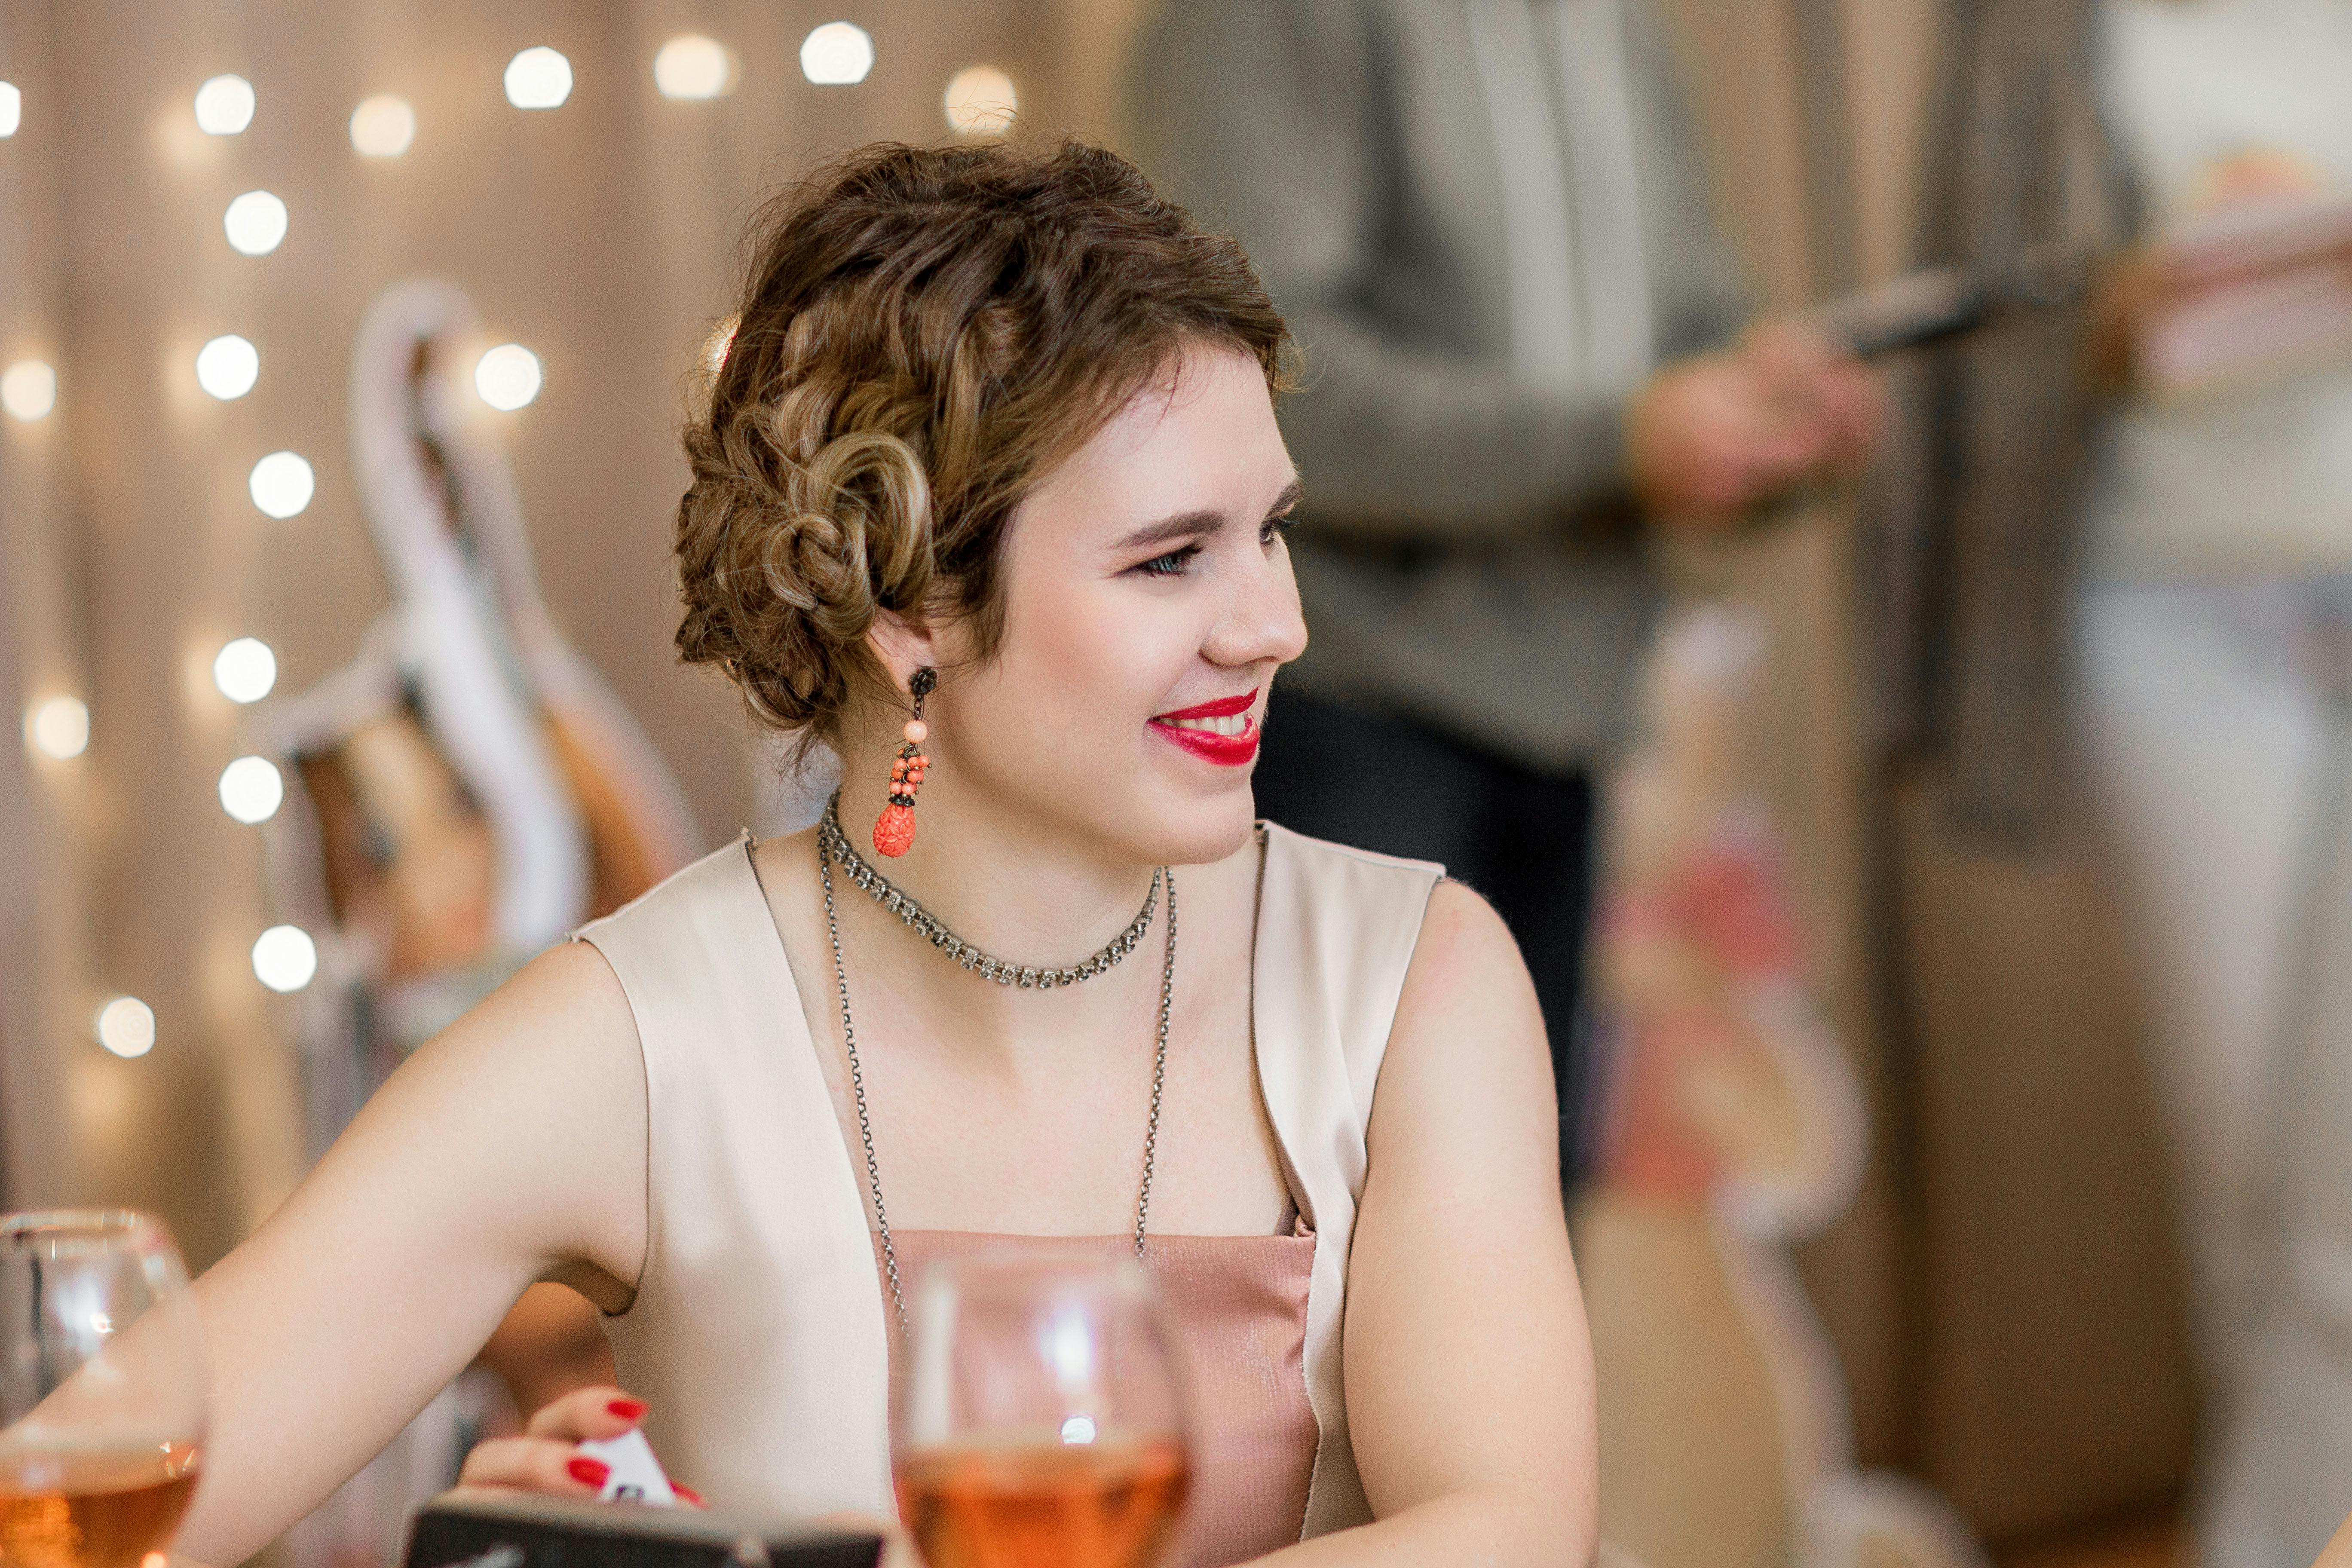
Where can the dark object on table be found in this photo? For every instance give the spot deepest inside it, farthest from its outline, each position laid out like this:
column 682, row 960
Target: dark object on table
column 511, row 1531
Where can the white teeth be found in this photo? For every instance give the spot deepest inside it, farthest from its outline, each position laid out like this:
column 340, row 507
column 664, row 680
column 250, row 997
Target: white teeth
column 1236, row 724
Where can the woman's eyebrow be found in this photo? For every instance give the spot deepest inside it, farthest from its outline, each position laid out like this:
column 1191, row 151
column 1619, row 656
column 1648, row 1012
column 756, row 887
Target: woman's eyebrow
column 1187, row 524
column 1182, row 525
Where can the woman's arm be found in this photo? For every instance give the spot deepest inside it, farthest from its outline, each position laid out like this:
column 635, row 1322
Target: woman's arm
column 513, row 1144
column 1468, row 1370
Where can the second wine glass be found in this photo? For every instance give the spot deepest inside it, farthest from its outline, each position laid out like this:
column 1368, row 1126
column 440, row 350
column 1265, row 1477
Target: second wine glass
column 1041, row 1416
column 101, row 1390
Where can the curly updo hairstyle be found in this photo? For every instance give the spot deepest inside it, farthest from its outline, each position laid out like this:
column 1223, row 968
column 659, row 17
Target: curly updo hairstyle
column 923, row 334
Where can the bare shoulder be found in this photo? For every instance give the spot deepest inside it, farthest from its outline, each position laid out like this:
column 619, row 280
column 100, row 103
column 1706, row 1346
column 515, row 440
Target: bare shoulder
column 1462, row 941
column 1466, row 969
column 564, row 1008
column 551, row 1058
column 537, row 1094
column 1469, row 1042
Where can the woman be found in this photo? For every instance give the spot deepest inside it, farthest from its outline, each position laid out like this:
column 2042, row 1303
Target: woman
column 994, row 444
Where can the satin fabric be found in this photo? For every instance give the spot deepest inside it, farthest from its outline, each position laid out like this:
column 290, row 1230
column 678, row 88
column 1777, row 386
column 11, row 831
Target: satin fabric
column 758, row 1329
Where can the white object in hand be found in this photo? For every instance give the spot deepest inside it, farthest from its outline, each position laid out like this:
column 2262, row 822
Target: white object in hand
column 637, row 1476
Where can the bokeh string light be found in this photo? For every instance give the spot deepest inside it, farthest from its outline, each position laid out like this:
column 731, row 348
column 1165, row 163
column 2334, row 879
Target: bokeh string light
column 255, row 223
column 691, row 66
column 281, row 484
column 245, row 670
column 980, row 102
column 539, row 77
column 837, row 54
column 285, row 958
column 507, row 377
column 224, row 106
column 383, row 126
column 228, row 366
column 29, row 389
column 59, row 728
column 126, row 1025
column 252, row 789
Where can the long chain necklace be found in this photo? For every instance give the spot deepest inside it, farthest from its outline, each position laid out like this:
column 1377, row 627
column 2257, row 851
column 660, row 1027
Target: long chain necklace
column 861, row 871
column 831, row 844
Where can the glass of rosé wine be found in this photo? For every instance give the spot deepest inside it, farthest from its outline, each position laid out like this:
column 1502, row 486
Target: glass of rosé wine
column 101, row 1390
column 1040, row 1419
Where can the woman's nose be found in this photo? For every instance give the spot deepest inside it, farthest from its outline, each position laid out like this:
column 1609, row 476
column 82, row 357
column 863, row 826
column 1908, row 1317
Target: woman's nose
column 1263, row 624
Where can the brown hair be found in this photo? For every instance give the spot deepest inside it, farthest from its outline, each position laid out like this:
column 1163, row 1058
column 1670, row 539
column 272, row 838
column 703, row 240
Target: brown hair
column 924, row 334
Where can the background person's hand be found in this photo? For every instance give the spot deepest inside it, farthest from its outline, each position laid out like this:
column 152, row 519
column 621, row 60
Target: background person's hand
column 546, row 1458
column 1712, row 437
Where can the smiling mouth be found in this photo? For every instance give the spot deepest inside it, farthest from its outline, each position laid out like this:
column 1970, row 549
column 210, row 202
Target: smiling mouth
column 1234, row 725
column 1223, row 732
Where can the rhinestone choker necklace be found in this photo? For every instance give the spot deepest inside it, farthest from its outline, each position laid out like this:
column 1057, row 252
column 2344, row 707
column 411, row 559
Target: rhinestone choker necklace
column 835, row 844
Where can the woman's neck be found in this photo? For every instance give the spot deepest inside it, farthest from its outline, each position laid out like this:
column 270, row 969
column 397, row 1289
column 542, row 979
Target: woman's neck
column 1019, row 889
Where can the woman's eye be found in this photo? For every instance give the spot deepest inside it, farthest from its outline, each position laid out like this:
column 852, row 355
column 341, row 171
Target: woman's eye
column 1275, row 527
column 1172, row 564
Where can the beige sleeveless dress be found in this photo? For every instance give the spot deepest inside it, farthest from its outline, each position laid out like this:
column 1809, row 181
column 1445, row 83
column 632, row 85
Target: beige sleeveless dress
column 758, row 1331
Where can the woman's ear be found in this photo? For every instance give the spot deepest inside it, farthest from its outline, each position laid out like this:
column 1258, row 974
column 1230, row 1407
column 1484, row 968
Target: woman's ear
column 903, row 646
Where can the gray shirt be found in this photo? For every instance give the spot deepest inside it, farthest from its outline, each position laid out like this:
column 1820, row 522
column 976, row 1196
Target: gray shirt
column 1486, row 222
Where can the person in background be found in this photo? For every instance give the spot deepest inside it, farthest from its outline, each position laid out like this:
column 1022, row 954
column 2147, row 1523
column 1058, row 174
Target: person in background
column 1490, row 227
column 2214, row 695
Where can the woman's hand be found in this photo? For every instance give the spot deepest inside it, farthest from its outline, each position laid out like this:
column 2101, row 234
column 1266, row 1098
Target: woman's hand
column 547, row 1458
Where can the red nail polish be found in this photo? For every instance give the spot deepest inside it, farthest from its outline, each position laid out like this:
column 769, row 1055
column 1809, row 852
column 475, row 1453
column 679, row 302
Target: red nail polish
column 627, row 1409
column 588, row 1471
column 689, row 1494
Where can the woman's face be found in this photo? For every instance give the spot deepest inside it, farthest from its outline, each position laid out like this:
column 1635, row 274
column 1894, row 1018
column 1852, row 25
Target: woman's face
column 1148, row 601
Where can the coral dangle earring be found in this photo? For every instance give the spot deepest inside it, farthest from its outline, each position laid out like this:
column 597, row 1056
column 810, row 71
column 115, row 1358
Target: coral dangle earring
column 894, row 830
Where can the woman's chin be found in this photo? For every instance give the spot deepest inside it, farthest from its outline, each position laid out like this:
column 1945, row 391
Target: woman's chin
column 1201, row 831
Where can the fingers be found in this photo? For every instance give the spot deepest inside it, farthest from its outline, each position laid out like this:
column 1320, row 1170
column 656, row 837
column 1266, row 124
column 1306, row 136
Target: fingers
column 533, row 1464
column 1741, row 443
column 1857, row 402
column 1829, row 407
column 546, row 1461
column 587, row 1413
column 1715, row 435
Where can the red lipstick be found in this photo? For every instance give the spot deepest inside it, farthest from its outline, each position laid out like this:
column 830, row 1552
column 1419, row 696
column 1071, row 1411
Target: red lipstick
column 1223, row 708
column 1225, row 751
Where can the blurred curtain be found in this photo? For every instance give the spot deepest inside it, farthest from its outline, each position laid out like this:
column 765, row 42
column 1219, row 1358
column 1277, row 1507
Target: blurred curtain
column 46, row 997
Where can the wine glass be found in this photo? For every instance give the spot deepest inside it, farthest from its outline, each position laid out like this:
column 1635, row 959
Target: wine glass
column 101, row 1389
column 1040, row 1422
